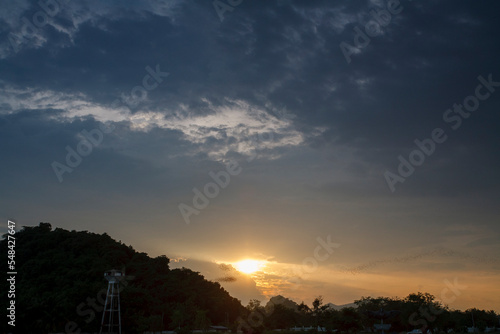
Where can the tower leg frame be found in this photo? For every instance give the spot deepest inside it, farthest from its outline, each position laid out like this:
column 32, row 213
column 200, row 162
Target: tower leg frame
column 111, row 305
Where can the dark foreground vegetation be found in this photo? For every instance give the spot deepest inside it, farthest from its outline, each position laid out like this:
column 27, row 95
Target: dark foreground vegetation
column 418, row 311
column 60, row 288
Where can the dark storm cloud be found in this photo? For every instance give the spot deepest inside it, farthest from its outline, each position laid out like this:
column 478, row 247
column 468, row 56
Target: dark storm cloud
column 402, row 81
column 286, row 56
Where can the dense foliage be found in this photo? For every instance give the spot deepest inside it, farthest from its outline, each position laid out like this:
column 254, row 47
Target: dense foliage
column 416, row 311
column 60, row 286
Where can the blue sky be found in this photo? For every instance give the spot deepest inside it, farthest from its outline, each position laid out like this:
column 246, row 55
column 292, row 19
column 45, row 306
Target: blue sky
column 373, row 122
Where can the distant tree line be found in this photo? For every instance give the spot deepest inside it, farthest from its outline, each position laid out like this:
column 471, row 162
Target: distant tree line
column 417, row 311
column 60, row 288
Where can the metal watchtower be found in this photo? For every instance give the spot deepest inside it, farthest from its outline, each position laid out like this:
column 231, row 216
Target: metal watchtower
column 111, row 317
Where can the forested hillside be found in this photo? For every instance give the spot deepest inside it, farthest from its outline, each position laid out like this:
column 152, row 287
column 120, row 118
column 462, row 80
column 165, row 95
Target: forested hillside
column 60, row 286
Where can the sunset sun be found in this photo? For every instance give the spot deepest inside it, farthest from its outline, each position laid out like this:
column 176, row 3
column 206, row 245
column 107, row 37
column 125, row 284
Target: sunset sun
column 248, row 266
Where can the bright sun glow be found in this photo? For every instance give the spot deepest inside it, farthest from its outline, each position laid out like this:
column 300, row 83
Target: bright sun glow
column 248, row 266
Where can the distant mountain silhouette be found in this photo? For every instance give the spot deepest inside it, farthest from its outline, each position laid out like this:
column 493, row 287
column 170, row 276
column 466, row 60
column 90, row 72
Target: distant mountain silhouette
column 339, row 307
column 290, row 304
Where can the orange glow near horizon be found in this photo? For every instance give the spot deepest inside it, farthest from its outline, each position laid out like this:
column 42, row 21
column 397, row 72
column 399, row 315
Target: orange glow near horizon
column 340, row 287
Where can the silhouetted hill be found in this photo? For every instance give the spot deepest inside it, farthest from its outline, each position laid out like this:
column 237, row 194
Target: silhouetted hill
column 60, row 286
column 339, row 307
column 280, row 300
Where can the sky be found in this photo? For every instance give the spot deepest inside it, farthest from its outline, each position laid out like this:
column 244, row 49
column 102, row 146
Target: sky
column 349, row 147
